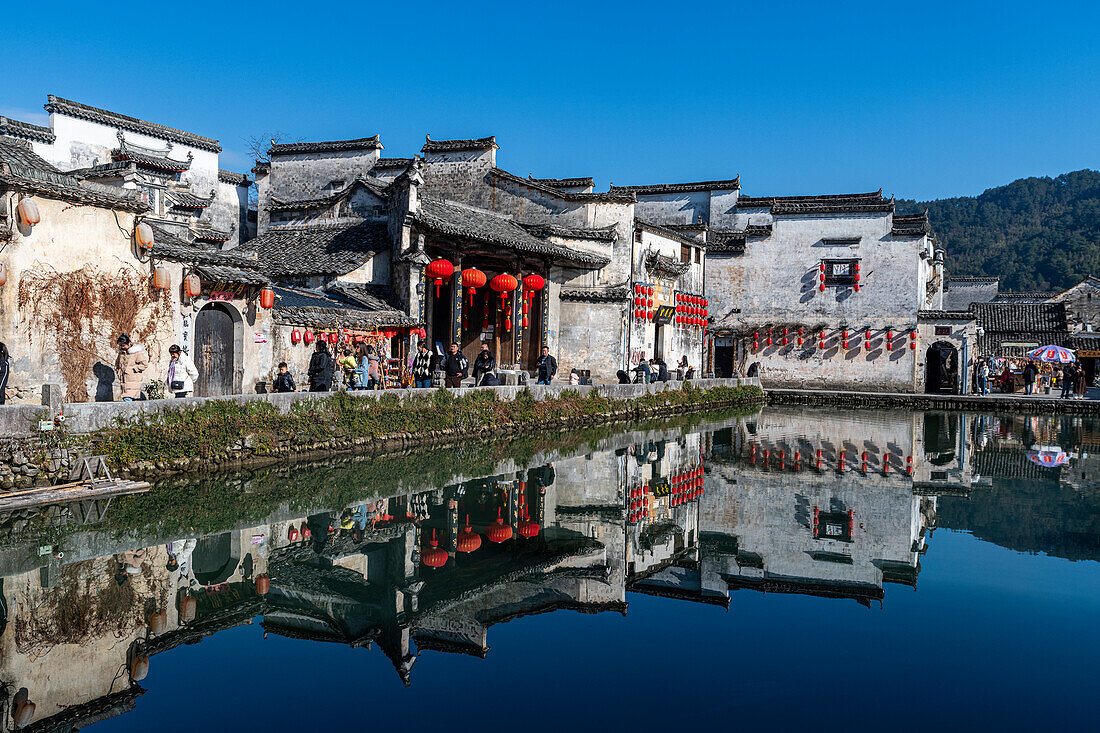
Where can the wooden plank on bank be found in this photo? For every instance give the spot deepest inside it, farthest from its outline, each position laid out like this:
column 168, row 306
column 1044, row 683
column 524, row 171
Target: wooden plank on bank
column 67, row 493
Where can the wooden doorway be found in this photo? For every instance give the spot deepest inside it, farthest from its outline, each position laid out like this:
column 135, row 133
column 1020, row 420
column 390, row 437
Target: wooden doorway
column 215, row 351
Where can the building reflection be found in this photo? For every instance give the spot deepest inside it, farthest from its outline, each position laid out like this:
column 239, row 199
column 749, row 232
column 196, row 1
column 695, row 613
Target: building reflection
column 829, row 504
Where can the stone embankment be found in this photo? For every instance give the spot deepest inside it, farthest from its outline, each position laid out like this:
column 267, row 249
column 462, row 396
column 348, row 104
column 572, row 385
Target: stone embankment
column 162, row 437
column 998, row 403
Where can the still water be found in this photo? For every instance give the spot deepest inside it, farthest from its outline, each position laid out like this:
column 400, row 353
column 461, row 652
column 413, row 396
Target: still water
column 792, row 568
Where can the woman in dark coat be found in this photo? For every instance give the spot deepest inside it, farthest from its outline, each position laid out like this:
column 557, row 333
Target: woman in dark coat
column 320, row 369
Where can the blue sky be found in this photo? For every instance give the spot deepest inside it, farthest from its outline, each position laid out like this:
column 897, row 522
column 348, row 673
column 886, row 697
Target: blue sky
column 925, row 100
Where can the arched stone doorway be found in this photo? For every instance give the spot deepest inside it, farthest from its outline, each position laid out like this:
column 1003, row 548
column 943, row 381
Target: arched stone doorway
column 218, row 339
column 942, row 369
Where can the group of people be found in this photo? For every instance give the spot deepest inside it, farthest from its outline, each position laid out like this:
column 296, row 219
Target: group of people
column 353, row 369
column 990, row 371
column 132, row 362
column 654, row 370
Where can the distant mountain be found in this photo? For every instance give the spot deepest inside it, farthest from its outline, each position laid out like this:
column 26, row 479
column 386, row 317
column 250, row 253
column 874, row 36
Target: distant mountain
column 1034, row 233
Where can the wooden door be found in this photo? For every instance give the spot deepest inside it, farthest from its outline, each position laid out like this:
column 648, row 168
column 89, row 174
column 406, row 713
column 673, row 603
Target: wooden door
column 214, row 351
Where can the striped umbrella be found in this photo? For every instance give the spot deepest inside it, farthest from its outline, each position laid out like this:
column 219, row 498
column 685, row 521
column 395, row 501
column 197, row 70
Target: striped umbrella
column 1047, row 456
column 1054, row 354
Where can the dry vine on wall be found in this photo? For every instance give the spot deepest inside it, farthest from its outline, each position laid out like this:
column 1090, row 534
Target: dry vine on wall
column 81, row 313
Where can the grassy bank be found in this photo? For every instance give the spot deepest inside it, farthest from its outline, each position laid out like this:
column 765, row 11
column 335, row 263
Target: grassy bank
column 223, row 431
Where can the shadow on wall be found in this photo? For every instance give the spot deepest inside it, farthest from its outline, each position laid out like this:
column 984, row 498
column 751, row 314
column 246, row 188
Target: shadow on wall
column 105, row 382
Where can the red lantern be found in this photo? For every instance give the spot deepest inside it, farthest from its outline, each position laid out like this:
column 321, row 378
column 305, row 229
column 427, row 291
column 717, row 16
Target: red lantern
column 263, row 585
column 308, row 337
column 267, row 298
column 333, row 338
column 649, row 291
column 529, row 529
column 468, row 540
column 422, row 333
column 439, row 270
column 192, row 286
column 143, row 233
column 295, row 336
column 503, row 284
column 472, row 279
column 499, row 531
column 533, row 283
column 161, row 280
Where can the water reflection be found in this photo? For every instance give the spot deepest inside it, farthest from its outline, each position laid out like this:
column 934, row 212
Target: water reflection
column 821, row 503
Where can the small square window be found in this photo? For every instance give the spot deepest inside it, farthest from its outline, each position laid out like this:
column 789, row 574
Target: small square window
column 840, row 272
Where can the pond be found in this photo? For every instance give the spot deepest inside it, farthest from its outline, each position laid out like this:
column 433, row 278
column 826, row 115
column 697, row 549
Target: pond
column 792, row 568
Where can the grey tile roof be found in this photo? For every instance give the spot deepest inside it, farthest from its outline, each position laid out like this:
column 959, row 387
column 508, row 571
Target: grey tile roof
column 447, row 146
column 617, row 293
column 582, row 182
column 145, row 157
column 542, row 231
column 221, row 273
column 116, row 169
column 824, row 204
column 911, row 225
column 730, row 184
column 21, row 168
column 326, row 146
column 314, row 309
column 188, row 200
column 316, row 249
column 619, row 196
column 167, row 245
column 374, row 297
column 664, row 231
column 237, row 179
column 659, row 264
column 1033, row 296
column 1040, row 323
column 960, row 292
column 376, row 185
column 206, row 232
column 458, row 220
column 68, row 107
column 25, row 130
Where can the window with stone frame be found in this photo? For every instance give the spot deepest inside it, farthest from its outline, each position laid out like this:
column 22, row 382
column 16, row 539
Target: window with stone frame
column 840, row 272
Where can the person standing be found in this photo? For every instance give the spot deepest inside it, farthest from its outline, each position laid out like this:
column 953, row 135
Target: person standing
column 546, row 366
column 422, row 366
column 320, row 368
column 182, row 372
column 1067, row 380
column 1030, row 373
column 5, row 372
column 1080, row 380
column 483, row 364
column 983, row 376
column 130, row 365
column 455, row 366
column 347, row 365
column 284, row 380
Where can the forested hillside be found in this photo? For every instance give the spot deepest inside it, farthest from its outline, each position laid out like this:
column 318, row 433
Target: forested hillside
column 1035, row 233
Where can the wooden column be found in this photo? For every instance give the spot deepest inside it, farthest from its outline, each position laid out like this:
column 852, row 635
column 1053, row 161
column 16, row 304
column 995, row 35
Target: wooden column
column 456, row 303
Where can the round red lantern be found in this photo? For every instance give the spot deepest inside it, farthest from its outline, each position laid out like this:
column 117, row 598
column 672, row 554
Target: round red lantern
column 308, row 337
column 503, row 284
column 143, row 234
column 649, row 291
column 192, row 286
column 499, row 531
column 533, row 283
column 267, row 298
column 472, row 279
column 439, row 270
column 435, row 557
column 529, row 529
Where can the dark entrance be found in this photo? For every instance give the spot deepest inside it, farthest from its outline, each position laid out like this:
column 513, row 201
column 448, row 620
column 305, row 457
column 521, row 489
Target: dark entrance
column 723, row 361
column 215, row 351
column 942, row 369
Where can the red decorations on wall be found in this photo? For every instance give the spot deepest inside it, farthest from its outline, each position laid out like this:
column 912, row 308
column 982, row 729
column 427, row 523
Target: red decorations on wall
column 499, row 531
column 472, row 279
column 295, row 336
column 783, row 341
column 468, row 540
column 143, row 233
column 533, row 283
column 308, row 337
column 856, row 276
column 439, row 270
column 913, row 340
column 267, row 298
column 436, row 557
column 821, row 277
column 503, row 284
column 800, row 333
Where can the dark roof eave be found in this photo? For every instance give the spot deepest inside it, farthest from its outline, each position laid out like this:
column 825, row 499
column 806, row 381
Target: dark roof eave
column 732, row 184
column 531, row 183
column 58, row 105
column 326, row 146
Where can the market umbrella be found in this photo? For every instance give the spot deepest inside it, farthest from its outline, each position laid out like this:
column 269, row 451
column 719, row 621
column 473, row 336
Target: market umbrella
column 1054, row 354
column 1047, row 456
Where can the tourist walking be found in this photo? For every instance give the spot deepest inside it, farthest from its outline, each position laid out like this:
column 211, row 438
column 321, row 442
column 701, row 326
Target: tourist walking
column 422, row 366
column 130, row 365
column 546, row 367
column 284, row 380
column 455, row 367
column 1030, row 373
column 181, row 372
column 483, row 364
column 321, row 369
column 5, row 371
